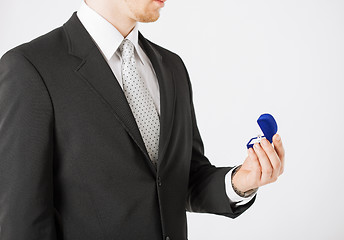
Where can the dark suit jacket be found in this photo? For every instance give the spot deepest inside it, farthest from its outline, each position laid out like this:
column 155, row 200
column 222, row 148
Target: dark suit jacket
column 73, row 165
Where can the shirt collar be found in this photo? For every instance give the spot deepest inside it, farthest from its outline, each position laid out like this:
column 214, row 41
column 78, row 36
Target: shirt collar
column 106, row 36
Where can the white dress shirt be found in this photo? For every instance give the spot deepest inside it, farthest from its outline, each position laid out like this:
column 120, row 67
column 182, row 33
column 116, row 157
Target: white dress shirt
column 108, row 39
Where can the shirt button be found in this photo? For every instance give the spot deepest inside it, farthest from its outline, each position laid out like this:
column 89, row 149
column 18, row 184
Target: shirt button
column 168, row 238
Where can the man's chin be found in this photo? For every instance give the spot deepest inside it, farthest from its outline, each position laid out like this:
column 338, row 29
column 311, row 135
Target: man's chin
column 149, row 18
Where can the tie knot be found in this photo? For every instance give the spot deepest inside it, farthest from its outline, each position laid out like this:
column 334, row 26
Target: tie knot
column 127, row 49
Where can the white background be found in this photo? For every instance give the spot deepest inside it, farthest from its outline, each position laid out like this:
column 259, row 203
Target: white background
column 246, row 58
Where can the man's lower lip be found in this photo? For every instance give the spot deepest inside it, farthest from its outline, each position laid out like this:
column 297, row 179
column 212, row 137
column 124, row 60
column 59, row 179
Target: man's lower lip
column 160, row 2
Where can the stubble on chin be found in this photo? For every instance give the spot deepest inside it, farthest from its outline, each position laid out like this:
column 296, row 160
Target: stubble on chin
column 145, row 15
column 148, row 18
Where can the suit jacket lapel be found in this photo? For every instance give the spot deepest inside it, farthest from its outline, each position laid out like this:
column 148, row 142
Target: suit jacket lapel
column 98, row 75
column 167, row 94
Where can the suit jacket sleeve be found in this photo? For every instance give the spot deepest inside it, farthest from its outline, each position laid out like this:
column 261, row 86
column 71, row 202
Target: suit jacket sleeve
column 26, row 150
column 206, row 188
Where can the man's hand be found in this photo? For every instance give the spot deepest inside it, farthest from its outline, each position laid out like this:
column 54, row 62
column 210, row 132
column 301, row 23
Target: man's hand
column 263, row 165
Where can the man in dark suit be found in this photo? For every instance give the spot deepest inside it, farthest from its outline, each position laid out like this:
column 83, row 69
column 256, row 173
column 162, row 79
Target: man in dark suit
column 99, row 140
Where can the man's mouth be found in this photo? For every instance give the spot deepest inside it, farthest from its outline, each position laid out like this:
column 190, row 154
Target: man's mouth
column 162, row 2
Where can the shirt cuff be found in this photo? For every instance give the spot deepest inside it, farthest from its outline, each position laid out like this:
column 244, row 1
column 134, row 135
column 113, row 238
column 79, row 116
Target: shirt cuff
column 232, row 195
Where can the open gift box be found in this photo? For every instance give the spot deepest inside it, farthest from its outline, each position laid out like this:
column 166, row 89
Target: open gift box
column 268, row 125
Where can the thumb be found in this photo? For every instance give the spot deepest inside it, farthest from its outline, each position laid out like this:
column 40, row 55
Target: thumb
column 278, row 145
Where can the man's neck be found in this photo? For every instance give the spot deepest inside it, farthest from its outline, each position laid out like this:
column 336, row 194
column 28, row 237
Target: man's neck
column 113, row 15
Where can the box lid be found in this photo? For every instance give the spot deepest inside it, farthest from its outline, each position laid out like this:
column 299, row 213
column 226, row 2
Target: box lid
column 268, row 125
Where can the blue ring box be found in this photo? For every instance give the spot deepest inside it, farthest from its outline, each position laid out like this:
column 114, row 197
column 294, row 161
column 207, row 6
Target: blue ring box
column 268, row 125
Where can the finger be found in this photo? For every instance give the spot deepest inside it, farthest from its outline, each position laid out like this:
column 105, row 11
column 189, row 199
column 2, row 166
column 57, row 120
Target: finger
column 273, row 158
column 256, row 169
column 254, row 160
column 264, row 163
column 279, row 150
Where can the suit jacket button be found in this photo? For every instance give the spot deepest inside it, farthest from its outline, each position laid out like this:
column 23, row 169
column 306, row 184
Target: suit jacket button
column 159, row 181
column 168, row 238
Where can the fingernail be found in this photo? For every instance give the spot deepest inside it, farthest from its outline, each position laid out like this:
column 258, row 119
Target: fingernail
column 264, row 141
column 278, row 138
